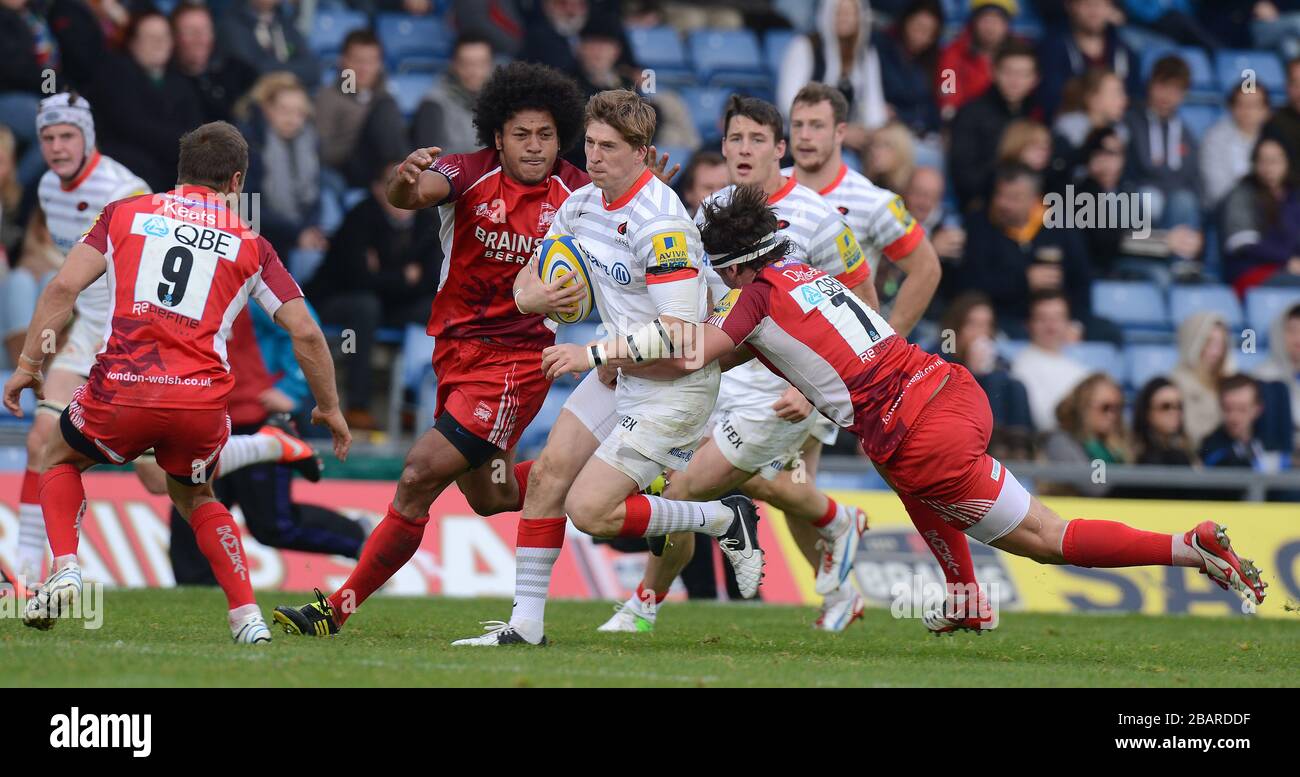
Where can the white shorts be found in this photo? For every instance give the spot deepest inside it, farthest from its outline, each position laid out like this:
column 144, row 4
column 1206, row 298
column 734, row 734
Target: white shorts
column 78, row 353
column 646, row 426
column 758, row 441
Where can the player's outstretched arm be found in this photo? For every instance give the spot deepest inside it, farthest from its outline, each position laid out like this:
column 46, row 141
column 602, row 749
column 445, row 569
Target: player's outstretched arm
column 313, row 355
column 921, row 278
column 83, row 267
column 699, row 346
column 410, row 188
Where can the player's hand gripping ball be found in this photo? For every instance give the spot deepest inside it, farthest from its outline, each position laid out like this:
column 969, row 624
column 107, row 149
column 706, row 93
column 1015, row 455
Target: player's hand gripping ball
column 561, row 256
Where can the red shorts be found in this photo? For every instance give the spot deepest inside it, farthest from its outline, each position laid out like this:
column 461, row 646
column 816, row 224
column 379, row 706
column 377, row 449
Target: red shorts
column 942, row 463
column 491, row 390
column 186, row 443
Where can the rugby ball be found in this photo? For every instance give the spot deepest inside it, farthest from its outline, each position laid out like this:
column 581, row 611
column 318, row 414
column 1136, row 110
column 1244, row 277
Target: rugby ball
column 562, row 256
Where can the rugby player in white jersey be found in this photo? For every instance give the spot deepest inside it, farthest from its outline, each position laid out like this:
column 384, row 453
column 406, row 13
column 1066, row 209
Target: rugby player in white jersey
column 610, row 442
column 766, row 439
column 79, row 183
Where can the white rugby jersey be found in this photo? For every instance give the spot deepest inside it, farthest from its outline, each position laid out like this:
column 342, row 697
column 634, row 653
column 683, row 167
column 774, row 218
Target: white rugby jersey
column 819, row 237
column 643, row 238
column 71, row 209
column 877, row 215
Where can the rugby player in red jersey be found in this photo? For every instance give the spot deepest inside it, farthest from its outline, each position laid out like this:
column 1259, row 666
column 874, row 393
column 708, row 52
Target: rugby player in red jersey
column 924, row 422
column 496, row 206
column 181, row 266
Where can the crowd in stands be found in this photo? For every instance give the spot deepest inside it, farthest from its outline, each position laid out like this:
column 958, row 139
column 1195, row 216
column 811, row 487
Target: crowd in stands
column 991, row 118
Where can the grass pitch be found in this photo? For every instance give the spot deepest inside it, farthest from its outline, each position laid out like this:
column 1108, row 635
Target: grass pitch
column 178, row 637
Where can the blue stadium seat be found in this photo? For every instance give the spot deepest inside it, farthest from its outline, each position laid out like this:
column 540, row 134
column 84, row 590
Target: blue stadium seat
column 1264, row 304
column 330, row 26
column 705, row 104
column 1100, row 357
column 1230, row 63
column 1008, row 349
column 661, row 50
column 1220, row 298
column 676, row 155
column 730, row 56
column 417, row 355
column 1198, row 118
column 775, row 43
column 1249, row 362
column 1135, row 306
column 580, row 333
column 414, row 43
column 408, row 89
column 1198, row 62
column 1149, row 361
column 302, row 263
column 534, row 437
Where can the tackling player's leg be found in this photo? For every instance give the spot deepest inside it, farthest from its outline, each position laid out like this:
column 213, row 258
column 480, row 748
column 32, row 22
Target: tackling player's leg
column 431, row 465
column 599, row 505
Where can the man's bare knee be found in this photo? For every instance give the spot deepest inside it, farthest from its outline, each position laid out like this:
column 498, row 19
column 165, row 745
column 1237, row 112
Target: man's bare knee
column 546, row 487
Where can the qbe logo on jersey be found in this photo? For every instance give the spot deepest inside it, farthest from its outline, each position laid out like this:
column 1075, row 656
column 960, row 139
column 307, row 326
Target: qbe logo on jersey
column 178, row 262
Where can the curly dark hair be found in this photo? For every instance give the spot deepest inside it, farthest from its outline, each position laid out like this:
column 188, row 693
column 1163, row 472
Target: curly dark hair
column 741, row 222
column 522, row 86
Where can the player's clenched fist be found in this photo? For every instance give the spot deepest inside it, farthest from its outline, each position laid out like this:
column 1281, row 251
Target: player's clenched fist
column 418, row 161
column 338, row 428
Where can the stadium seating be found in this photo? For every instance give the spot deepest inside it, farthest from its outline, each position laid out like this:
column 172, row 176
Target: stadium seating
column 1198, row 118
column 330, row 26
column 410, row 370
column 1099, row 357
column 1198, row 62
column 302, row 263
column 1137, row 307
column 1230, row 64
column 1264, row 304
column 1008, row 349
column 705, row 105
column 534, row 437
column 727, row 56
column 1186, row 300
column 1145, row 362
column 661, row 50
column 775, row 43
column 408, row 89
column 1249, row 361
column 413, row 43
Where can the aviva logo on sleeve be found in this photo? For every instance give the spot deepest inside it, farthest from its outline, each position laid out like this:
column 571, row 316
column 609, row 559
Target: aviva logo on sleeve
column 670, row 250
column 724, row 307
column 850, row 251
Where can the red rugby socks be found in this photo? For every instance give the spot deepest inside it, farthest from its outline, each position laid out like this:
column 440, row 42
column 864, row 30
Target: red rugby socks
column 63, row 501
column 1090, row 543
column 218, row 538
column 392, row 544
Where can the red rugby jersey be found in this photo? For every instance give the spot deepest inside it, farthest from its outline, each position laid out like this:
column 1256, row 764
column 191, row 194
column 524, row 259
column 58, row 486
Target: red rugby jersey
column 812, row 331
column 490, row 226
column 180, row 269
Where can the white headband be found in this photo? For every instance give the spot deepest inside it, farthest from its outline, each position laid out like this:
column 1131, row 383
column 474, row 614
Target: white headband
column 65, row 108
column 764, row 244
